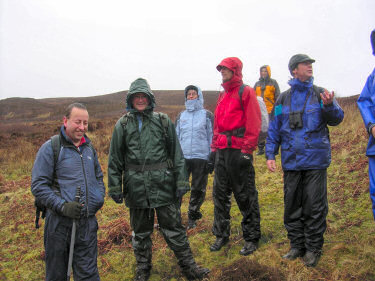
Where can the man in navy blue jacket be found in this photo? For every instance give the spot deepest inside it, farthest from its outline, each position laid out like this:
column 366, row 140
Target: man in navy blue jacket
column 366, row 103
column 299, row 126
column 55, row 184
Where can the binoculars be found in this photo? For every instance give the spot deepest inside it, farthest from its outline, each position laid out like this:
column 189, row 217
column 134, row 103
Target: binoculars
column 295, row 120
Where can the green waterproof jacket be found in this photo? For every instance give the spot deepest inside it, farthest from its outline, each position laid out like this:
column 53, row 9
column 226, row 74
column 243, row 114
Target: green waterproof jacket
column 137, row 162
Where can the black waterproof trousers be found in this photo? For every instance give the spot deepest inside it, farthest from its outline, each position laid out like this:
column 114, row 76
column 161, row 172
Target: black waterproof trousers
column 262, row 141
column 199, row 177
column 169, row 220
column 57, row 234
column 230, row 177
column 306, row 208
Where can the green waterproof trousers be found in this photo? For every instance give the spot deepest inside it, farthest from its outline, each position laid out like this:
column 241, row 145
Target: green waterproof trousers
column 169, row 220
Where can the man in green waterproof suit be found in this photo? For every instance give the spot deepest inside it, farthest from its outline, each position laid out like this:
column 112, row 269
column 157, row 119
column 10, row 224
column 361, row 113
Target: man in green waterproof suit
column 147, row 168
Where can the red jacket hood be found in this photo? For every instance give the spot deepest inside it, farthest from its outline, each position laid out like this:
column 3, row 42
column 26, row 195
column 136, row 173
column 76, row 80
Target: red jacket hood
column 235, row 65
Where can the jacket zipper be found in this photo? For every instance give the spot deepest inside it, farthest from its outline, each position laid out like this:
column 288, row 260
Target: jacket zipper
column 84, row 175
column 192, row 134
column 144, row 161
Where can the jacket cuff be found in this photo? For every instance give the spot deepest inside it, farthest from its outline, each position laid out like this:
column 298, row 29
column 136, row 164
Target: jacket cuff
column 183, row 185
column 370, row 128
column 270, row 157
column 114, row 190
column 60, row 207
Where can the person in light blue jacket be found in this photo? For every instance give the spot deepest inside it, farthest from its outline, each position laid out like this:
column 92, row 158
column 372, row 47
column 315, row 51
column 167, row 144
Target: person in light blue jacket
column 366, row 105
column 194, row 127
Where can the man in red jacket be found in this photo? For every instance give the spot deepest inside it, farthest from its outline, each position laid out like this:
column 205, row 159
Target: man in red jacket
column 236, row 130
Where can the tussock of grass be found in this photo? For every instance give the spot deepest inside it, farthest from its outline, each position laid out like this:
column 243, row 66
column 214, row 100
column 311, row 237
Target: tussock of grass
column 116, row 232
column 246, row 269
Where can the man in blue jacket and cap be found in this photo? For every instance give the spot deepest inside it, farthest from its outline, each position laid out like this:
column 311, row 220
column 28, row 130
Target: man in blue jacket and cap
column 299, row 126
column 366, row 103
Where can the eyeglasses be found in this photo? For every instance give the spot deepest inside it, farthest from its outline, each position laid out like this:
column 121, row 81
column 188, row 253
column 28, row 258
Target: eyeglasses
column 141, row 96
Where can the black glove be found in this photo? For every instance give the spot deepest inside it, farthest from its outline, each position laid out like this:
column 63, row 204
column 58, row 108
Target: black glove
column 40, row 207
column 180, row 193
column 118, row 198
column 245, row 159
column 210, row 166
column 72, row 210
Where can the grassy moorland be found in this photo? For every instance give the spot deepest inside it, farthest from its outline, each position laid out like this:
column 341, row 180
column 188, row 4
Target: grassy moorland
column 349, row 249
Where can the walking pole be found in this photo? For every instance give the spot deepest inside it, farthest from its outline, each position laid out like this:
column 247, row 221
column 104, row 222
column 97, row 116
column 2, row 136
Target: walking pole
column 73, row 237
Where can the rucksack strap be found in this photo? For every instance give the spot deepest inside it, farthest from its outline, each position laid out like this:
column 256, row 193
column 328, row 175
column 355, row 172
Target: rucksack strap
column 39, row 207
column 239, row 133
column 318, row 90
column 168, row 142
column 210, row 116
column 164, row 121
column 240, row 92
column 124, row 120
column 56, row 147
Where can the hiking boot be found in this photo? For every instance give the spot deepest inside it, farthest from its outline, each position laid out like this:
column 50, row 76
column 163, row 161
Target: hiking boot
column 248, row 248
column 294, row 253
column 191, row 224
column 142, row 275
column 311, row 258
column 188, row 265
column 196, row 272
column 219, row 243
column 260, row 151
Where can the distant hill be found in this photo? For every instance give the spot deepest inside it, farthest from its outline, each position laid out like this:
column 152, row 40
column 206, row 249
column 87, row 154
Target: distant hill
column 104, row 106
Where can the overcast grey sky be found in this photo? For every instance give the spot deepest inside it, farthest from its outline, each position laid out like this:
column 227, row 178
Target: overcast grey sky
column 89, row 47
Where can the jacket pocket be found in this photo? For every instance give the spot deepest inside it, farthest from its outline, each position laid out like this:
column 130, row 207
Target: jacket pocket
column 134, row 186
column 314, row 119
column 95, row 198
column 163, row 187
column 285, row 144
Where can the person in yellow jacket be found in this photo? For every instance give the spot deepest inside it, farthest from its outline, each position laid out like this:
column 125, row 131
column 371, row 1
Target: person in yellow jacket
column 268, row 89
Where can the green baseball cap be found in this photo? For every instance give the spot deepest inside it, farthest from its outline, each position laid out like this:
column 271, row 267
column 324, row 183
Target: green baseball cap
column 296, row 59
